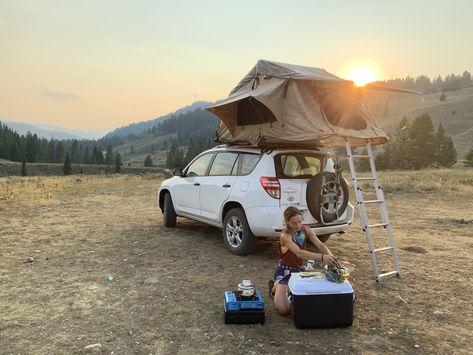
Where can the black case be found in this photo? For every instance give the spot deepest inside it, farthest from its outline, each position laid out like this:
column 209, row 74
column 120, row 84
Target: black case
column 322, row 311
column 244, row 317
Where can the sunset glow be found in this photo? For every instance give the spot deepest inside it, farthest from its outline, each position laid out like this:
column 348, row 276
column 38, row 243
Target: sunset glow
column 361, row 76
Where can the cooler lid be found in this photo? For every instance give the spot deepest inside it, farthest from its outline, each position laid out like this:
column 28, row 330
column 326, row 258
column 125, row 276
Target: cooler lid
column 310, row 286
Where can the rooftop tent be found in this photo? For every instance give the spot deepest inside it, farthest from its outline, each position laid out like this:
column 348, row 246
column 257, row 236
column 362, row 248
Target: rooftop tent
column 277, row 103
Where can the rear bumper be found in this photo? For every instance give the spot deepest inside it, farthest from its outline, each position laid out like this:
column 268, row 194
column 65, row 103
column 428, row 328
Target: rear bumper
column 268, row 222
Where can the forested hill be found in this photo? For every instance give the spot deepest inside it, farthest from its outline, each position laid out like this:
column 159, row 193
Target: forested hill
column 197, row 128
column 452, row 109
column 139, row 127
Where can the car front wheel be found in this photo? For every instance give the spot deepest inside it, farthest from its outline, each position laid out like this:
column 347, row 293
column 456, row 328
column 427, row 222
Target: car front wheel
column 169, row 215
column 237, row 235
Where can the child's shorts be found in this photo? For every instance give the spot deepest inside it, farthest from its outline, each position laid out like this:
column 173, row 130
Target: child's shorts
column 283, row 273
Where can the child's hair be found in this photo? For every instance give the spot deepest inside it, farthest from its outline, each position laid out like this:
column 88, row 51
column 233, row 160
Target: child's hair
column 290, row 212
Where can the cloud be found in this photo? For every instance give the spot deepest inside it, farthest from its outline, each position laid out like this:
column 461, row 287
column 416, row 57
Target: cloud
column 58, row 95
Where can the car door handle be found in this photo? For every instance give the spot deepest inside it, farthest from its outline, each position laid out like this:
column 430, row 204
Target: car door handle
column 226, row 185
column 196, row 183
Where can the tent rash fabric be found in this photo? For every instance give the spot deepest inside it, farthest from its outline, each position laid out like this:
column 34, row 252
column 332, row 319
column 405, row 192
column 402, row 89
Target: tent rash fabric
column 284, row 104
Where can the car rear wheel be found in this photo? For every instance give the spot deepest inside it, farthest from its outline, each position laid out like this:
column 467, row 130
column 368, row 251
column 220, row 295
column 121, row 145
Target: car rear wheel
column 169, row 215
column 237, row 235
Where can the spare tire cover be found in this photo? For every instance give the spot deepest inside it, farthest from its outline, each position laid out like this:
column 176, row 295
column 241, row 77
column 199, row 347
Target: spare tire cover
column 326, row 197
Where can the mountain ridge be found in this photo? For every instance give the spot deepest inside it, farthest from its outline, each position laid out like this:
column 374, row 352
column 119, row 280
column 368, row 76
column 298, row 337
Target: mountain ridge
column 49, row 131
column 139, row 127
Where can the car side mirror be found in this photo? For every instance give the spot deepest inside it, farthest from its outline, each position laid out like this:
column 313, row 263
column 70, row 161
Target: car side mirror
column 177, row 172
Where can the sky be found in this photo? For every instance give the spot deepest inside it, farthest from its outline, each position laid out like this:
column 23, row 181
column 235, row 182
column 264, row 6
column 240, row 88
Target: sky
column 97, row 65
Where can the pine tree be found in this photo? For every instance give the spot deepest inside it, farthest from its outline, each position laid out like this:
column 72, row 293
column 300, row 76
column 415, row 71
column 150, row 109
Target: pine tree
column 118, row 162
column 175, row 157
column 148, row 161
column 23, row 168
column 51, row 151
column 469, row 158
column 170, row 157
column 59, row 152
column 14, row 152
column 31, row 147
column 86, row 158
column 445, row 152
column 386, row 159
column 195, row 147
column 67, row 168
column 93, row 158
column 97, row 156
column 449, row 156
column 75, row 151
column 421, row 142
column 109, row 155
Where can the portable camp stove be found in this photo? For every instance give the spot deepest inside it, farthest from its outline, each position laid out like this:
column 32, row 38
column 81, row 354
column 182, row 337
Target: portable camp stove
column 245, row 306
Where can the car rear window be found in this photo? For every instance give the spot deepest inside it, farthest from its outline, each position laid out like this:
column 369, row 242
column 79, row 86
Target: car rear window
column 297, row 165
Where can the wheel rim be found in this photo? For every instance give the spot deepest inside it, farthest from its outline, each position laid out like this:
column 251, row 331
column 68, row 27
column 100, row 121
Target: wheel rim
column 234, row 231
column 332, row 197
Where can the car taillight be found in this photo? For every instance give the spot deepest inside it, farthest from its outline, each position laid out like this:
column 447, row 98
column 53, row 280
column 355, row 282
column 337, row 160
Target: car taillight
column 271, row 185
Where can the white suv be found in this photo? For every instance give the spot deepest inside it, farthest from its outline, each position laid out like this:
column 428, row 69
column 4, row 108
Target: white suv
column 244, row 191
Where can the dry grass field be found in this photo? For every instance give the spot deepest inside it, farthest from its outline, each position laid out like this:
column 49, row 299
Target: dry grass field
column 86, row 265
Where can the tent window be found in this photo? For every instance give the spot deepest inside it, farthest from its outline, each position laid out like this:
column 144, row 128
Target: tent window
column 252, row 112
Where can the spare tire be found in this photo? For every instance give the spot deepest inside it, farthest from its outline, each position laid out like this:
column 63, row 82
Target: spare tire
column 327, row 197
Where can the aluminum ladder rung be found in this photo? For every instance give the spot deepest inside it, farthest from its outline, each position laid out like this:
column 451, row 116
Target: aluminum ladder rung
column 364, row 212
column 388, row 274
column 367, row 202
column 378, row 225
column 382, row 249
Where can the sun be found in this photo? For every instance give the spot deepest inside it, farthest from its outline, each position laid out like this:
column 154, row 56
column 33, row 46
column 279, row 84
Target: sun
column 361, row 75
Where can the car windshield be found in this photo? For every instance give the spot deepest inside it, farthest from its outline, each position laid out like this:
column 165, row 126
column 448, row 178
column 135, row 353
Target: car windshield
column 297, row 165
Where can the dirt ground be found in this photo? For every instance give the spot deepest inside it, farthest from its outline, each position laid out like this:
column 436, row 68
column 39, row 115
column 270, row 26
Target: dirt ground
column 86, row 265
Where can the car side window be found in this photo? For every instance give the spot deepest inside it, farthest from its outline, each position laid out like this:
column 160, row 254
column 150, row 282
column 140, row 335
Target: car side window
column 199, row 166
column 246, row 164
column 223, row 163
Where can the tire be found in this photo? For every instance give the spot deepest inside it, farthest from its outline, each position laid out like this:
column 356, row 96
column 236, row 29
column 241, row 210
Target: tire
column 326, row 197
column 323, row 237
column 169, row 215
column 237, row 235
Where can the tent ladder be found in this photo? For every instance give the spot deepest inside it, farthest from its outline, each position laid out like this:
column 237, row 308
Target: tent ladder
column 381, row 202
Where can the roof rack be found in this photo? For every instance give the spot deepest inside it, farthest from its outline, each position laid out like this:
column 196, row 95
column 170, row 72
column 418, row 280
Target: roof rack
column 273, row 146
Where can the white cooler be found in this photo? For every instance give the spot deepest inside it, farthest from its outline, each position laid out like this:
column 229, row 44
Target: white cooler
column 320, row 303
